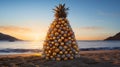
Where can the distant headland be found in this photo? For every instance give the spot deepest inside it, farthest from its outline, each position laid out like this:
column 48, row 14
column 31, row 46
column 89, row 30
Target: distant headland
column 115, row 37
column 5, row 37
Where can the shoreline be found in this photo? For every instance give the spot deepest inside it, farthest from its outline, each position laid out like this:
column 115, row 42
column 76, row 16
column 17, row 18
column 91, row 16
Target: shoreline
column 39, row 54
column 9, row 50
column 96, row 58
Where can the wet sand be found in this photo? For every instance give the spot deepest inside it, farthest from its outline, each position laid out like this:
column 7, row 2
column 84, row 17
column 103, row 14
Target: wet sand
column 98, row 58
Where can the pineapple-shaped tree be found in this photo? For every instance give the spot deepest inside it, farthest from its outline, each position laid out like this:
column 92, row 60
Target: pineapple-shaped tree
column 60, row 42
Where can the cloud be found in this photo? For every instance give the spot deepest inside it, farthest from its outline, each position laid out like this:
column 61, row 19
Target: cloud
column 14, row 28
column 89, row 33
column 89, row 28
column 19, row 32
column 23, row 32
column 103, row 13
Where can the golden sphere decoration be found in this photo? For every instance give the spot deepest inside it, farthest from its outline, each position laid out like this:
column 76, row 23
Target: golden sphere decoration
column 58, row 59
column 54, row 38
column 53, row 47
column 66, row 52
column 56, row 44
column 56, row 33
column 57, row 26
column 71, row 57
column 62, row 43
column 60, row 40
column 61, row 52
column 57, row 50
column 54, row 53
column 65, row 58
column 47, row 58
column 51, row 56
column 65, row 47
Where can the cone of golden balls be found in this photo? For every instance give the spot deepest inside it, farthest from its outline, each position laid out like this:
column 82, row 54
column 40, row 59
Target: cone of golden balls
column 60, row 43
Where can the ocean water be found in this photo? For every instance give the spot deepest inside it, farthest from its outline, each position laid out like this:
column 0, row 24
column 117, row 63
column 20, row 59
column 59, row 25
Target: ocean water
column 27, row 47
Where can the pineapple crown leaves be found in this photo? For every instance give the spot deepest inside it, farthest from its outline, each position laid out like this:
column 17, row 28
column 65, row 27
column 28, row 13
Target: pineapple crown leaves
column 61, row 11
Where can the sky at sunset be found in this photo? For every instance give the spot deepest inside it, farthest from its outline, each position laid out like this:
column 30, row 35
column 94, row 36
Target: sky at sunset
column 30, row 19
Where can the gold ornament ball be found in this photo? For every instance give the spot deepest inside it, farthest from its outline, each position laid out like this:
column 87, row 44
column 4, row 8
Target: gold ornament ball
column 65, row 35
column 76, row 52
column 56, row 44
column 46, row 52
column 62, row 32
column 71, row 57
column 49, row 51
column 65, row 47
column 58, row 59
column 69, row 45
column 47, row 58
column 69, row 37
column 65, row 24
column 57, row 26
column 66, row 52
column 57, row 50
column 73, row 42
column 68, row 49
column 60, row 40
column 75, row 46
column 64, row 28
column 54, row 53
column 51, row 57
column 60, row 19
column 52, row 42
column 63, row 21
column 65, row 58
column 54, row 23
column 48, row 55
column 53, row 47
column 56, row 33
column 54, row 38
column 55, row 29
column 59, row 30
column 52, row 32
column 65, row 40
column 60, row 52
column 62, row 43
column 61, row 25
column 77, row 49
column 47, row 47
column 70, row 52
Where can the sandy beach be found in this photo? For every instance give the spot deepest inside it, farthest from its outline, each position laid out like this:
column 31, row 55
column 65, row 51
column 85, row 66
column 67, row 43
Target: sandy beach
column 98, row 58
